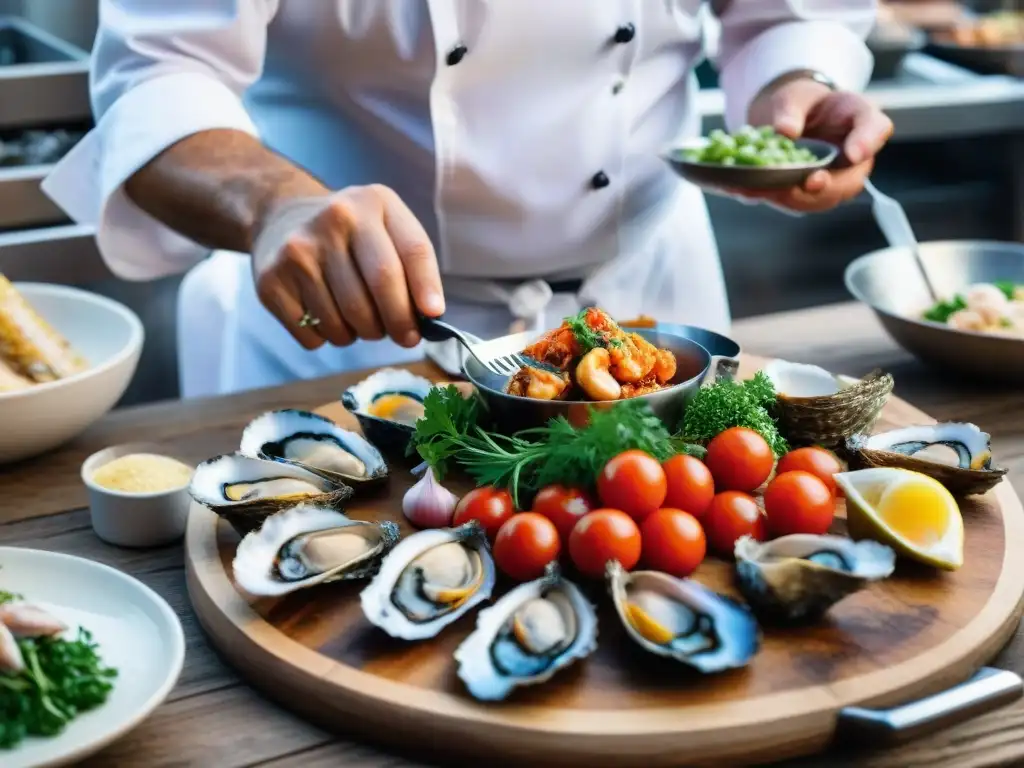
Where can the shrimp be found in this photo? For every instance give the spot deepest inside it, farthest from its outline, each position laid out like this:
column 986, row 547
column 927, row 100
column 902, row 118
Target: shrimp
column 594, row 377
column 987, row 300
column 633, row 359
column 967, row 320
column 11, row 660
column 664, row 366
column 538, row 384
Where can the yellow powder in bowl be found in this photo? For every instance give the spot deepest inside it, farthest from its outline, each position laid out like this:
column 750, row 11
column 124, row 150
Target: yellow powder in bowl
column 143, row 473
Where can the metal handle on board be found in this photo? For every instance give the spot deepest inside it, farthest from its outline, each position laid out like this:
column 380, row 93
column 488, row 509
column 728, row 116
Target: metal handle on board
column 988, row 689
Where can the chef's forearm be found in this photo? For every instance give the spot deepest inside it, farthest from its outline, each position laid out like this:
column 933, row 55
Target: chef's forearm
column 215, row 187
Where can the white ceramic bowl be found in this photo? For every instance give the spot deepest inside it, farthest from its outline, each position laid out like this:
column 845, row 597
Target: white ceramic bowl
column 108, row 335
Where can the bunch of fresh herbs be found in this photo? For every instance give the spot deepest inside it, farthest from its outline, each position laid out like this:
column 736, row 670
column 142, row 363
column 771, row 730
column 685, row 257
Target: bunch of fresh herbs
column 62, row 678
column 450, row 432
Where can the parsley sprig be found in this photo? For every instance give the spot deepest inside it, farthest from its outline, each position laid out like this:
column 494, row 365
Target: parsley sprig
column 449, row 432
column 62, row 678
column 587, row 337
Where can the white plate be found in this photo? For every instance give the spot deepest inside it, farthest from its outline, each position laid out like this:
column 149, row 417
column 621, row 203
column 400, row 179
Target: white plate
column 137, row 632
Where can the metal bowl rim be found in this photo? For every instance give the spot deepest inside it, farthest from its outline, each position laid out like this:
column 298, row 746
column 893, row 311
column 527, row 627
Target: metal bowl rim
column 859, row 263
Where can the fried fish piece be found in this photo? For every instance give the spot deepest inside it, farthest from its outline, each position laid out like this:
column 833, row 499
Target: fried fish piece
column 29, row 344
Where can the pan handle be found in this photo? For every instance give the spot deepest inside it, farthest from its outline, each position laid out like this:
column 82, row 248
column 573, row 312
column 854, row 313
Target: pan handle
column 988, row 689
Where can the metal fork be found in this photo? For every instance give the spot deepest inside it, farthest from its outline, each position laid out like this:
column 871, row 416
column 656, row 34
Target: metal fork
column 436, row 329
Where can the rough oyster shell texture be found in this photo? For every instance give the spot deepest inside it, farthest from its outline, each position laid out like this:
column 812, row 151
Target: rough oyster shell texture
column 902, row 449
column 799, row 577
column 828, row 414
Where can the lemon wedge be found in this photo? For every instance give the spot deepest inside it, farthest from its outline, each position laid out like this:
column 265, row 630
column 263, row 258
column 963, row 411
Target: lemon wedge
column 911, row 512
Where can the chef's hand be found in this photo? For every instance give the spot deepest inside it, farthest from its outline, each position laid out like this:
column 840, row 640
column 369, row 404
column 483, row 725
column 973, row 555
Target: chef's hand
column 355, row 261
column 806, row 108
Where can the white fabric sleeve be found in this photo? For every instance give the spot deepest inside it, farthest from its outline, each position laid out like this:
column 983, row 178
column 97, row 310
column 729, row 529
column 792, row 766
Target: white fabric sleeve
column 763, row 39
column 150, row 90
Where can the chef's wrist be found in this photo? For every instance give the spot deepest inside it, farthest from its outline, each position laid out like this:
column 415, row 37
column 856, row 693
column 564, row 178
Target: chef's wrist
column 807, row 82
column 284, row 200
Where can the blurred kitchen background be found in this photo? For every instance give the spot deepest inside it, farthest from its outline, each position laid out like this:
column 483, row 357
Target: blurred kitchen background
column 955, row 163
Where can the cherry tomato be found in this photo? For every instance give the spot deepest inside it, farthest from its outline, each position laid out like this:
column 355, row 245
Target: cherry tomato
column 690, row 485
column 739, row 460
column 525, row 544
column 562, row 506
column 634, row 482
column 819, row 462
column 490, row 507
column 673, row 542
column 603, row 535
column 798, row 502
column 732, row 514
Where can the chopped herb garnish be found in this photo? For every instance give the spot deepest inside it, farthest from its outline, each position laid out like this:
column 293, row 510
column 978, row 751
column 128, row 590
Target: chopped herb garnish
column 62, row 679
column 942, row 311
column 587, row 337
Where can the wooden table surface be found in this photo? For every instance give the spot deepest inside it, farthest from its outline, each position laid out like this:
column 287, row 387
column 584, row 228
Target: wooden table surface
column 214, row 720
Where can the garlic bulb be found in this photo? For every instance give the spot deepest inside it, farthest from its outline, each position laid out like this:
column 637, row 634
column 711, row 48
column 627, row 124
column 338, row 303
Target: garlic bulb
column 428, row 504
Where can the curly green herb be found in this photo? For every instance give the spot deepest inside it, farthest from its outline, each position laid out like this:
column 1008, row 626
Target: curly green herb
column 586, row 336
column 62, row 678
column 726, row 404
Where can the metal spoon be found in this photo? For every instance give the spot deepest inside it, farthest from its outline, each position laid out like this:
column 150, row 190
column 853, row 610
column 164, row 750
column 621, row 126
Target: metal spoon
column 893, row 221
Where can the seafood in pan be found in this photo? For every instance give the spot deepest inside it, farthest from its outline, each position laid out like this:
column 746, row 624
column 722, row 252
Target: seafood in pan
column 590, row 357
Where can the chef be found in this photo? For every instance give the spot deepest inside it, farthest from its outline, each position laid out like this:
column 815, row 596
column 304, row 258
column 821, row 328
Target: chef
column 328, row 168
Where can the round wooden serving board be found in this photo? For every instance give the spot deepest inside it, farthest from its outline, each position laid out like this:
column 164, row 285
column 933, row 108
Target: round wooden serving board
column 914, row 634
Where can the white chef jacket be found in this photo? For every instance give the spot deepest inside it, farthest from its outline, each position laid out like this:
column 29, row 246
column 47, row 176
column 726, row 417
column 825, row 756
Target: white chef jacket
column 524, row 134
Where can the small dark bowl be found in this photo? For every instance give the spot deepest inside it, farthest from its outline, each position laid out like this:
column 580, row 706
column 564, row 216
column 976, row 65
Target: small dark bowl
column 509, row 413
column 739, row 177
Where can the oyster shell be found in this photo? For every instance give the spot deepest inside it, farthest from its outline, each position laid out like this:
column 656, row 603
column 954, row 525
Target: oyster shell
column 245, row 490
column 388, row 404
column 682, row 619
column 799, row 577
column 813, row 407
column 429, row 580
column 914, row 448
column 308, row 545
column 535, row 630
column 315, row 443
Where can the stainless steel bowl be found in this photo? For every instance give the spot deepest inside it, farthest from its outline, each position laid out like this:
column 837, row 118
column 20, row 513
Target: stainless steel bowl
column 695, row 365
column 890, row 283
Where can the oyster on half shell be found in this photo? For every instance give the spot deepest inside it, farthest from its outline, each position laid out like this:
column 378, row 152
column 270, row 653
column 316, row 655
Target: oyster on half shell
column 387, row 405
column 246, row 490
column 813, row 407
column 308, row 545
column 682, row 619
column 957, row 455
column 535, row 630
column 799, row 577
column 315, row 443
column 429, row 580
